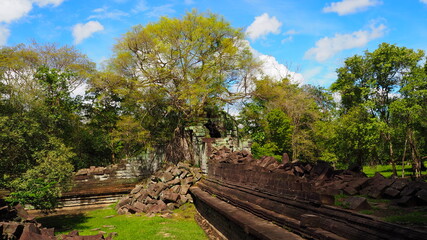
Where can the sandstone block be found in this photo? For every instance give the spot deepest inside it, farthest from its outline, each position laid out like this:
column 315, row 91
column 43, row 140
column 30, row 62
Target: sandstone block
column 357, row 203
column 422, row 195
column 184, row 189
column 391, row 192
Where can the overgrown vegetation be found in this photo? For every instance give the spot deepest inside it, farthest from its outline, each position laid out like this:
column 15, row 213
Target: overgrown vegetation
column 181, row 225
column 175, row 73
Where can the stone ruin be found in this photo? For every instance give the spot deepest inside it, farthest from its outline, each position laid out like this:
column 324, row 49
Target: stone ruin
column 318, row 181
column 17, row 224
column 165, row 190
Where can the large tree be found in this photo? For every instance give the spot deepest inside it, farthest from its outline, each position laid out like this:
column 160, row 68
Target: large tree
column 375, row 81
column 179, row 71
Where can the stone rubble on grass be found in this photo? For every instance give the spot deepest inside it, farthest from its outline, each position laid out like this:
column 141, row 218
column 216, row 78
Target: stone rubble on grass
column 167, row 190
column 328, row 181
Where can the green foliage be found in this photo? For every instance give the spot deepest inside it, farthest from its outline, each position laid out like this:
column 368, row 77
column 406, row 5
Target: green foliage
column 389, row 85
column 282, row 117
column 41, row 185
column 181, row 226
column 177, row 73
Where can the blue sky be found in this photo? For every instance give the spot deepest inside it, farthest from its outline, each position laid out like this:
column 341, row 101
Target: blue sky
column 308, row 39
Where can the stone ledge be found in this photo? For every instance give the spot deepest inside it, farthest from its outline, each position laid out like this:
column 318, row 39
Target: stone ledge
column 250, row 226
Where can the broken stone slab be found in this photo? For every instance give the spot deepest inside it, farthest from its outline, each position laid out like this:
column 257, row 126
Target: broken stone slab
column 378, row 187
column 422, row 195
column 184, row 173
column 156, row 208
column 136, row 189
column 400, row 183
column 169, row 196
column 406, row 201
column 176, row 188
column 358, row 183
column 182, row 199
column 176, row 181
column 184, row 189
column 12, row 229
column 350, row 191
column 166, row 177
column 412, row 187
column 357, row 203
column 140, row 206
column 124, row 201
column 391, row 192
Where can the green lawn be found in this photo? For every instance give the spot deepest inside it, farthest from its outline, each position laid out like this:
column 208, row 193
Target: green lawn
column 181, row 226
column 386, row 170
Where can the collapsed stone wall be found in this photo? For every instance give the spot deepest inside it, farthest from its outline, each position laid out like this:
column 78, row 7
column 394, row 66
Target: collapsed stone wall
column 165, row 190
column 312, row 182
column 294, row 195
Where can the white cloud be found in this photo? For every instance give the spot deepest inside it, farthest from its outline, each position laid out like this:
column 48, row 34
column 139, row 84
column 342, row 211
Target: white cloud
column 262, row 26
column 277, row 71
column 328, row 47
column 102, row 13
column 11, row 10
column 140, row 6
column 290, row 32
column 83, row 31
column 288, row 39
column 161, row 11
column 43, row 3
column 350, row 6
column 423, row 1
column 4, row 34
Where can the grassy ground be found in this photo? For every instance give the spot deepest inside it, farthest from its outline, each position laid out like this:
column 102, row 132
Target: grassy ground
column 181, row 225
column 385, row 210
column 387, row 171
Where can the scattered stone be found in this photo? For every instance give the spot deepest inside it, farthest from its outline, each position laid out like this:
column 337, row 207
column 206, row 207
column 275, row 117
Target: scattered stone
column 168, row 190
column 422, row 195
column 357, row 203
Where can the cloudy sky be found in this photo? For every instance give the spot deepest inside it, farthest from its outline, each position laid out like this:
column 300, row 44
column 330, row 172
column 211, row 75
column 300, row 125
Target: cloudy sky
column 308, row 39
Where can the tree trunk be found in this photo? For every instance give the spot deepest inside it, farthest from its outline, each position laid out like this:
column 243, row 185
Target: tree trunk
column 415, row 156
column 179, row 148
column 393, row 163
column 403, row 158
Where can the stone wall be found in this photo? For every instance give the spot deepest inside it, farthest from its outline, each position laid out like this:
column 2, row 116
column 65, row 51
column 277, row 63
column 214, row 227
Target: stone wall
column 297, row 196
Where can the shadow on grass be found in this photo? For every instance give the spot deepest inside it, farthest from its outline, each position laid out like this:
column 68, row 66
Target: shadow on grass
column 65, row 222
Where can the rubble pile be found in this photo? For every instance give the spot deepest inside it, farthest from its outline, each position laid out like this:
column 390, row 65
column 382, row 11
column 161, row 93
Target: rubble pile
column 322, row 177
column 166, row 190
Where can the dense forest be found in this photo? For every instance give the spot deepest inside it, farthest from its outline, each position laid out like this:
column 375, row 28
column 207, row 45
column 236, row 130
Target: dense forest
column 175, row 73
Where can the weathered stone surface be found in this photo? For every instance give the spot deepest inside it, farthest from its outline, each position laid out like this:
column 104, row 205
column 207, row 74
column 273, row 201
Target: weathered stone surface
column 350, row 191
column 166, row 177
column 184, row 189
column 156, row 208
column 140, row 206
column 406, row 201
column 309, row 220
column 285, row 158
column 169, row 186
column 169, row 196
column 391, row 192
column 422, row 195
column 357, row 203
